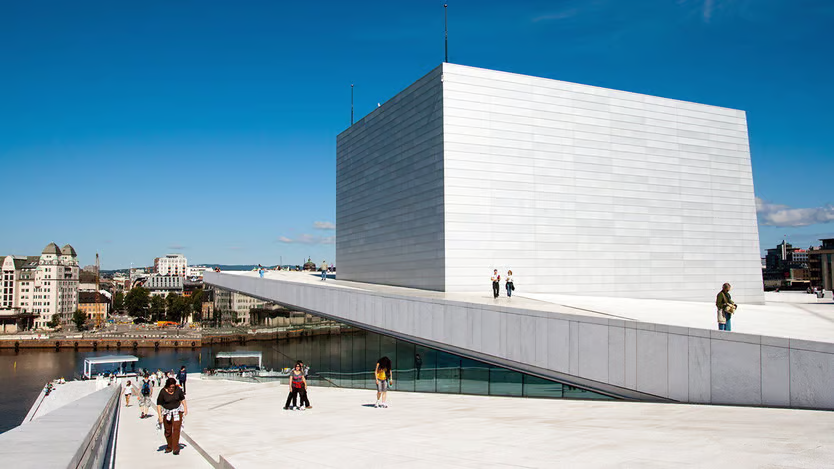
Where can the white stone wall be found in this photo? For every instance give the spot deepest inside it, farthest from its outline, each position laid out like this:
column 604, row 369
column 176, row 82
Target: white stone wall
column 389, row 191
column 580, row 189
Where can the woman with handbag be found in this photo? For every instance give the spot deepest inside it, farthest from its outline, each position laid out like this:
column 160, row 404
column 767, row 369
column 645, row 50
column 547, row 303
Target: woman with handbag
column 726, row 308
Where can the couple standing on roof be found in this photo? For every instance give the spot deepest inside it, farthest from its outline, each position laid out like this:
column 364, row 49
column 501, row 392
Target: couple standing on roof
column 496, row 283
column 298, row 388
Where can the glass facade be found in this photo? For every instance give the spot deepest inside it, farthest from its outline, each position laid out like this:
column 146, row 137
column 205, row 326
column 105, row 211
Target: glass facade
column 347, row 359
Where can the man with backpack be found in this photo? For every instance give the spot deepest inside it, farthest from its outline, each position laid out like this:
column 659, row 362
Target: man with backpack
column 145, row 393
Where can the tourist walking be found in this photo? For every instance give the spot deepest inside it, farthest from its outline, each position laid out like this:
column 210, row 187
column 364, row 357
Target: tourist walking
column 181, row 377
column 159, row 376
column 128, row 393
column 298, row 385
column 384, row 378
column 171, row 408
column 726, row 308
column 323, row 270
column 509, row 284
column 496, row 283
column 145, row 393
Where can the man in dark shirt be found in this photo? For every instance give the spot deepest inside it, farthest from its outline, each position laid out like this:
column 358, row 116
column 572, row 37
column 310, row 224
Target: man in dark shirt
column 181, row 377
column 171, row 408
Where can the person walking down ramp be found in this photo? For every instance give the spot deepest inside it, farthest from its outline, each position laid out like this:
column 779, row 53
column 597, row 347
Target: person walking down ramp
column 496, row 283
column 171, row 408
column 128, row 392
column 726, row 308
column 384, row 378
column 323, row 270
column 181, row 377
column 145, row 393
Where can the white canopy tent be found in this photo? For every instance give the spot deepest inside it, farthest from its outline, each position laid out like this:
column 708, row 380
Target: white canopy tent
column 120, row 359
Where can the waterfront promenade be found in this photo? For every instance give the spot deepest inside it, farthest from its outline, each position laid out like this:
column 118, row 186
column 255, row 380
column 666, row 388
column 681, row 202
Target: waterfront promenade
column 244, row 423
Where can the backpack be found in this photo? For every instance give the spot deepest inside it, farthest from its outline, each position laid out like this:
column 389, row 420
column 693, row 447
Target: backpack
column 146, row 388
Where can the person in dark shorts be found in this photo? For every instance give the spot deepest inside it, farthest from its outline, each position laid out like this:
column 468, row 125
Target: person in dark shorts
column 171, row 408
column 181, row 377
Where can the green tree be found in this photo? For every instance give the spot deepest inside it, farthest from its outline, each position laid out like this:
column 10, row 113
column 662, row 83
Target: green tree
column 54, row 322
column 118, row 301
column 169, row 302
column 157, row 309
column 180, row 309
column 197, row 304
column 136, row 302
column 79, row 318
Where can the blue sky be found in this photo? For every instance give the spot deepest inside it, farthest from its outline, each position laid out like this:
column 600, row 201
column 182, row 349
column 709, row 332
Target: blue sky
column 208, row 127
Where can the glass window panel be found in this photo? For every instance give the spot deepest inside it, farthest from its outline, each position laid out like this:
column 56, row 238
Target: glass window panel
column 474, row 377
column 346, row 359
column 404, row 366
column 372, row 354
column 359, row 369
column 539, row 387
column 503, row 382
column 426, row 364
column 448, row 373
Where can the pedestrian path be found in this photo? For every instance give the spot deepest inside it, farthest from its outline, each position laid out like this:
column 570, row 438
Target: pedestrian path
column 245, row 425
column 140, row 445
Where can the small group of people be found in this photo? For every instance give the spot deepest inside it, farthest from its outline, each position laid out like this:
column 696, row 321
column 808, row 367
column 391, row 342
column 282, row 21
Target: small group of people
column 171, row 405
column 298, row 385
column 508, row 283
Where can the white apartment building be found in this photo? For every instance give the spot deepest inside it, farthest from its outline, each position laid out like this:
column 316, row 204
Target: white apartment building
column 171, row 264
column 41, row 285
column 162, row 285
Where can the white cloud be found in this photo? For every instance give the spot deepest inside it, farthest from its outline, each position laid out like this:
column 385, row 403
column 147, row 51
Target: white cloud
column 324, row 225
column 783, row 215
column 308, row 239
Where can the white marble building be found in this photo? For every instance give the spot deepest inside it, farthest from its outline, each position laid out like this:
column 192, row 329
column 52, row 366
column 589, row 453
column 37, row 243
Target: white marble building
column 42, row 285
column 577, row 189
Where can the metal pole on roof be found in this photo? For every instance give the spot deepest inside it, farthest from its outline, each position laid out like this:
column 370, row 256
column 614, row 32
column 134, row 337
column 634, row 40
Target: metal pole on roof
column 446, row 27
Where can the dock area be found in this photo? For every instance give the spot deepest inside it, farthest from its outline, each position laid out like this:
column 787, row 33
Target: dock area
column 244, row 424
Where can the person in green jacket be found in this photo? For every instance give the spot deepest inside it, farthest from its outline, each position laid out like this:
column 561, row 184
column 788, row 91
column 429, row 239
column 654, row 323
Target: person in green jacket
column 722, row 301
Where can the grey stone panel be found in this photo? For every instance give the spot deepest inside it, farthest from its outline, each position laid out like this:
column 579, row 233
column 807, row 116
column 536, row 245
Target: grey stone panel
column 699, row 369
column 616, row 355
column 389, row 191
column 776, row 376
column 736, row 373
column 652, row 362
column 812, row 379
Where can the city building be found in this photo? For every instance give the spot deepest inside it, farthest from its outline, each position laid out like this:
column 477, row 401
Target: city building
column 577, row 189
column 87, row 281
column 195, row 271
column 162, row 285
column 39, row 287
column 96, row 305
column 171, row 264
column 234, row 307
column 821, row 265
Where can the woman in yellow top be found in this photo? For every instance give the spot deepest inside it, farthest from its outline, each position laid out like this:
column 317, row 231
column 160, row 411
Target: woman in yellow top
column 383, row 377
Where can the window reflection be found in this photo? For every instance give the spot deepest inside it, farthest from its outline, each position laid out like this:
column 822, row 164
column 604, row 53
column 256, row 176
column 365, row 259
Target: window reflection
column 347, row 359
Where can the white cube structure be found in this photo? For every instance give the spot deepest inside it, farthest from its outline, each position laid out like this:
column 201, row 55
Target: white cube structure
column 577, row 189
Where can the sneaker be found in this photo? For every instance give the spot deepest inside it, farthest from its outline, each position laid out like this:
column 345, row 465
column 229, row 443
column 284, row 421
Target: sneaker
column 376, row 406
column 384, row 405
column 176, row 453
column 286, row 408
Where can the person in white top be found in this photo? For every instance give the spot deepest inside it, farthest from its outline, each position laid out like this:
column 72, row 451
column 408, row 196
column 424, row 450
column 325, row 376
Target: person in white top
column 509, row 283
column 496, row 283
column 128, row 393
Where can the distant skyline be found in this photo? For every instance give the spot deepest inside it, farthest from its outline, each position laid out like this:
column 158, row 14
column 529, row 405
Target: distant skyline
column 209, row 128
